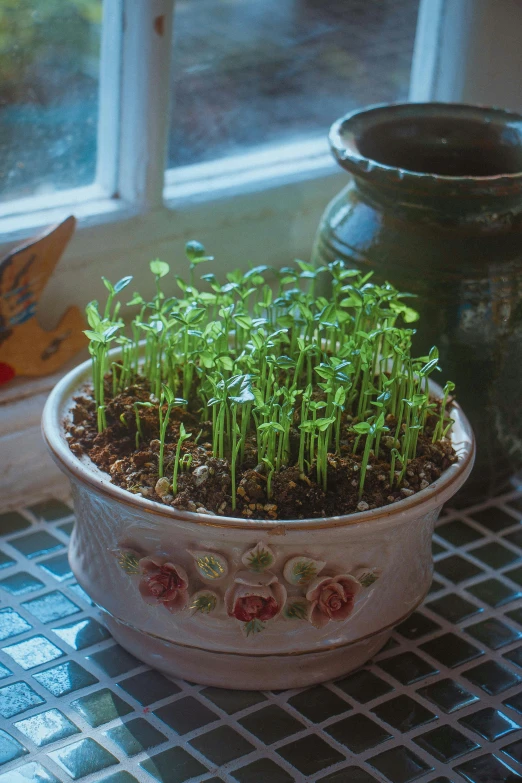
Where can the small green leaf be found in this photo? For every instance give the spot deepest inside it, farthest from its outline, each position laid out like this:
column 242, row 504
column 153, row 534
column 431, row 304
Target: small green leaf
column 196, row 253
column 159, row 268
column 123, row 283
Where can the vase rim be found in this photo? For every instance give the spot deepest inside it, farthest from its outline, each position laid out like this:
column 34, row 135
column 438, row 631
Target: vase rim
column 354, row 136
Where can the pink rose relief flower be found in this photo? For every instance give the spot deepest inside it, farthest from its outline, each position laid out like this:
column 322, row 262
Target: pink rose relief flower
column 255, row 597
column 163, row 583
column 331, row 598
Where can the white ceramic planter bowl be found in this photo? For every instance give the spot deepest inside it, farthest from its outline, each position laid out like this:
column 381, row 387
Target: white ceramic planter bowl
column 383, row 557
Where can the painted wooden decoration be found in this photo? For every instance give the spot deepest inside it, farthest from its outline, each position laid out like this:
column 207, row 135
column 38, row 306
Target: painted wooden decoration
column 26, row 348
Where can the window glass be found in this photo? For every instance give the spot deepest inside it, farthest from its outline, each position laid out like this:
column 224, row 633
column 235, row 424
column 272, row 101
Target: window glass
column 250, row 73
column 49, row 64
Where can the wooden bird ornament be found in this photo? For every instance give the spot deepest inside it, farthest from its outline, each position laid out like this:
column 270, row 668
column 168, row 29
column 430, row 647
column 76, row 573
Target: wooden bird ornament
column 26, row 348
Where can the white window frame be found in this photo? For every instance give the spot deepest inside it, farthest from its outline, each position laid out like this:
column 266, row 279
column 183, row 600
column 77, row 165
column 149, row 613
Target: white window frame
column 137, row 210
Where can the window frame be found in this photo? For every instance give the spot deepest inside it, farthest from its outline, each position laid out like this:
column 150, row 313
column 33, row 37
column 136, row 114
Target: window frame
column 136, row 204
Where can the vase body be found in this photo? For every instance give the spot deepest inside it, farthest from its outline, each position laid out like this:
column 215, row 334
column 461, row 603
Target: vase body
column 434, row 205
column 382, row 557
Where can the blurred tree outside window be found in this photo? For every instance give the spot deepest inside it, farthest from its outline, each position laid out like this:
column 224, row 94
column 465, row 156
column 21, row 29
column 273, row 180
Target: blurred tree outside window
column 49, row 74
column 247, row 74
column 254, row 73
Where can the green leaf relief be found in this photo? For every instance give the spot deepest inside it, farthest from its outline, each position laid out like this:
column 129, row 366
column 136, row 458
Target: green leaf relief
column 296, row 610
column 204, row 603
column 210, row 566
column 259, row 558
column 253, row 627
column 367, row 579
column 259, row 561
column 128, row 561
column 304, row 571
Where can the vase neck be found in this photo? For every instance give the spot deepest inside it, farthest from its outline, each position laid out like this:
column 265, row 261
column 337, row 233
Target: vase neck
column 438, row 157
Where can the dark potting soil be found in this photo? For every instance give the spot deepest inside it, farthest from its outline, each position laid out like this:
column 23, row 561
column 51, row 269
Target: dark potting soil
column 206, row 486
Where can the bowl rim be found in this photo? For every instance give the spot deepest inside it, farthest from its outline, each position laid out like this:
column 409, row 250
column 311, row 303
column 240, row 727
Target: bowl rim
column 58, row 406
column 345, row 148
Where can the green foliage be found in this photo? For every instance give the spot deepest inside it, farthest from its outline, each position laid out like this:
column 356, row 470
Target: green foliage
column 34, row 33
column 278, row 364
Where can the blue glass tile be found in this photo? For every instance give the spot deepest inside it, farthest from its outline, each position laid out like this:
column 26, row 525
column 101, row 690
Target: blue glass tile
column 65, row 678
column 12, row 522
column 51, row 510
column 451, row 650
column 115, row 660
column 515, row 702
column 83, row 758
column 29, row 773
column 346, row 775
column 80, row 593
column 358, row 733
column 135, row 736
column 67, row 528
column 21, row 583
column 266, row 769
column 82, row 633
column 363, row 685
column 47, row 727
column 51, row 606
column 448, row 695
column 12, row 624
column 494, row 633
column 310, row 754
column 57, row 566
column 445, row 743
column 188, row 714
column 120, row 777
column 33, row 652
column 101, row 707
column 495, row 519
column 399, row 765
column 515, row 656
column 514, row 749
column 403, row 713
column 487, row 769
column 148, row 687
column 174, row 765
column 489, row 723
column 4, row 672
column 16, row 698
column 10, row 748
column 222, row 745
column 5, row 560
column 35, row 544
column 407, row 667
column 492, row 677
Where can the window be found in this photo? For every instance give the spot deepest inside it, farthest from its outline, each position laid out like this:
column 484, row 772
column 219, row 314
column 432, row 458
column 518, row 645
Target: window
column 49, row 76
column 86, row 128
column 253, row 73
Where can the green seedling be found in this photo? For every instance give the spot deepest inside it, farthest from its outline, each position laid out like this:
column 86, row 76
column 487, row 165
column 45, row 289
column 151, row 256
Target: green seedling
column 298, row 377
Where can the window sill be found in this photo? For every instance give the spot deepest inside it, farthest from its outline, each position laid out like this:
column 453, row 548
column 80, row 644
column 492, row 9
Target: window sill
column 28, row 472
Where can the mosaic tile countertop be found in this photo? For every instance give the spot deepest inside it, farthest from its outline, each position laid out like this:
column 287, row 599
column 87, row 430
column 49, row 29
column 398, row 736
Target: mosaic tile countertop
column 442, row 702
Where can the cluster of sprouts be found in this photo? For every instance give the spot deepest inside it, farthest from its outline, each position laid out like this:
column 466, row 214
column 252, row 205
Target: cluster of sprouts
column 274, row 362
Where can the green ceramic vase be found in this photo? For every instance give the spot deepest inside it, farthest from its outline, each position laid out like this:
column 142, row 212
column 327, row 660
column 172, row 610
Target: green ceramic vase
column 434, row 205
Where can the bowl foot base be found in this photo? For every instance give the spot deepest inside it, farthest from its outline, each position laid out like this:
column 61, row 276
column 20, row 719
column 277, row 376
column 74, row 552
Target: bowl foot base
column 243, row 671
